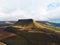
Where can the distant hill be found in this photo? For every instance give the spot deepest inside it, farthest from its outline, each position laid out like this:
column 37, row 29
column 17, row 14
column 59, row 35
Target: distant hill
column 56, row 24
column 45, row 22
column 2, row 23
column 6, row 23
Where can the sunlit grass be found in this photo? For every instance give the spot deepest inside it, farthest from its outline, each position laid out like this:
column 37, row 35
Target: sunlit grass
column 2, row 43
column 37, row 25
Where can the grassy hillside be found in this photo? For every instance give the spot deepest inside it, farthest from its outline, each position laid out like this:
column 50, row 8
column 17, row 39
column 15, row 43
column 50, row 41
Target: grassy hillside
column 51, row 27
column 28, row 25
column 30, row 32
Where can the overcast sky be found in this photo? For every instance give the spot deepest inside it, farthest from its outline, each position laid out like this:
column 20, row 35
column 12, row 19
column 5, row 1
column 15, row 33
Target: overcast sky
column 47, row 10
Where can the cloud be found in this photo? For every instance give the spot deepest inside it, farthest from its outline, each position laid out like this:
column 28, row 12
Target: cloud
column 51, row 13
column 48, row 10
column 13, row 10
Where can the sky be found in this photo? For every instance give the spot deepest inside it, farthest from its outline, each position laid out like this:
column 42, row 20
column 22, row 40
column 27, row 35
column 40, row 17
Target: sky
column 44, row 10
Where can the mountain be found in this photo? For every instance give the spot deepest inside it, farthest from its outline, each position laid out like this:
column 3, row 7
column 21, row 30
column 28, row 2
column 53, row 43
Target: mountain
column 56, row 24
column 45, row 22
column 6, row 23
column 30, row 25
column 30, row 32
column 50, row 25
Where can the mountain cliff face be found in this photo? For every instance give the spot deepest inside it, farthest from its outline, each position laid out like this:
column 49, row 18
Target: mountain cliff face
column 30, row 32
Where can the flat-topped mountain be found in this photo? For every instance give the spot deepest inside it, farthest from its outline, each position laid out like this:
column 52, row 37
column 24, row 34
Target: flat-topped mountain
column 31, row 25
column 28, row 25
column 30, row 32
column 25, row 21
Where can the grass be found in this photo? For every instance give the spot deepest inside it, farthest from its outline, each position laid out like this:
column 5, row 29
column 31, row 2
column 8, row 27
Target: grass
column 37, row 25
column 37, row 38
column 51, row 27
column 1, row 43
